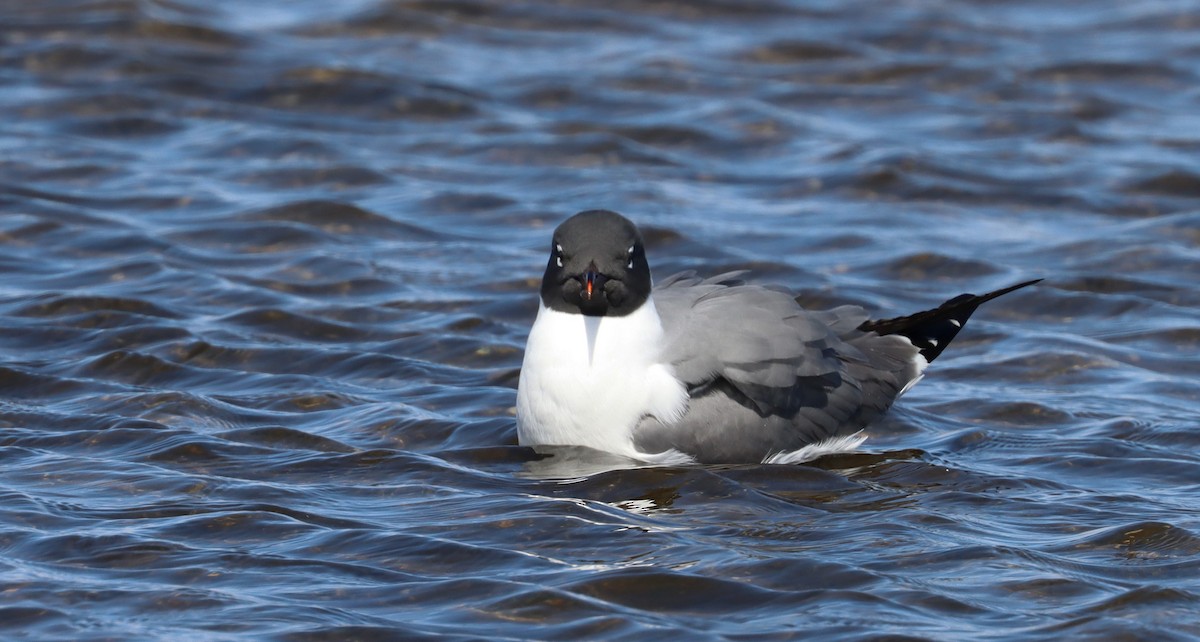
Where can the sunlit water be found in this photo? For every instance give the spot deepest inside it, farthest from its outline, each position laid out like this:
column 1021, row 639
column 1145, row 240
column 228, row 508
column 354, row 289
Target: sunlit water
column 268, row 269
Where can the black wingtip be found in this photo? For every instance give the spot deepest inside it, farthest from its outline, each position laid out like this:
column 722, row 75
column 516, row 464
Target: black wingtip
column 1002, row 291
column 932, row 330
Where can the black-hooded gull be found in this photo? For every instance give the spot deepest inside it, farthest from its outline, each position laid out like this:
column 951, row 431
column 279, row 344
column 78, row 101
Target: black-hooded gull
column 706, row 370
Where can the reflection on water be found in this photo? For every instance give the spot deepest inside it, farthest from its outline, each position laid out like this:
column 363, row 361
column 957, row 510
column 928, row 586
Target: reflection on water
column 269, row 270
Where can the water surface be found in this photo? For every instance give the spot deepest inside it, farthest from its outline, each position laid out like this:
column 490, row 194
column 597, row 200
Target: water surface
column 268, row 272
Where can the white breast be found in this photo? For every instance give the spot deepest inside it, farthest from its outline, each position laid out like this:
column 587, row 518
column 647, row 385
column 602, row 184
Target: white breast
column 586, row 381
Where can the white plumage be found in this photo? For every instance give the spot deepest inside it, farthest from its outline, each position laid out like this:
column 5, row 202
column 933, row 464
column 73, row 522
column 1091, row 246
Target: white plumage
column 588, row 381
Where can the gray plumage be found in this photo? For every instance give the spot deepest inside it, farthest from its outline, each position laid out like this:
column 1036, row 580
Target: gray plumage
column 797, row 377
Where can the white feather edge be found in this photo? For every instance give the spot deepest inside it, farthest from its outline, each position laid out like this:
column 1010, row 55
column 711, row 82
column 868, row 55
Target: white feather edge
column 833, row 445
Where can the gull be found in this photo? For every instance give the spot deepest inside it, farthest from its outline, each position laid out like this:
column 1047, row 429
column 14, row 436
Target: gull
column 707, row 370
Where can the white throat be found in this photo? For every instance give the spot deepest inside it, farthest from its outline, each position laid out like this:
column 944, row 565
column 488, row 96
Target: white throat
column 588, row 381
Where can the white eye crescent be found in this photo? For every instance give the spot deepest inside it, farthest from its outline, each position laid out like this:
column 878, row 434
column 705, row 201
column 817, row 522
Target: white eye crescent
column 558, row 261
column 630, row 253
column 558, row 254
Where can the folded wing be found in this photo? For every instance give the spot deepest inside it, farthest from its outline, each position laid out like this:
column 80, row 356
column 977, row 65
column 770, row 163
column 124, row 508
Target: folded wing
column 765, row 375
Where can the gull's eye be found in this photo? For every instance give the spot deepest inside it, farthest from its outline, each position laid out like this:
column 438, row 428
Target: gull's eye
column 558, row 255
column 630, row 253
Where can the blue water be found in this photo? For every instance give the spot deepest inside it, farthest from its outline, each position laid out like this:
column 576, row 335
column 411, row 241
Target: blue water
column 268, row 273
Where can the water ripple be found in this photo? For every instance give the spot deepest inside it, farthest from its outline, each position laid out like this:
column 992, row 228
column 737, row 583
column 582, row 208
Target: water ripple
column 270, row 270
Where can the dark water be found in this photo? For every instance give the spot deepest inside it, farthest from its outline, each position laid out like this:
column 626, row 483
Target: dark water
column 268, row 269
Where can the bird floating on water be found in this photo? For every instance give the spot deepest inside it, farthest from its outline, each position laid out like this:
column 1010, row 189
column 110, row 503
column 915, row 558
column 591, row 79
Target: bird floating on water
column 712, row 370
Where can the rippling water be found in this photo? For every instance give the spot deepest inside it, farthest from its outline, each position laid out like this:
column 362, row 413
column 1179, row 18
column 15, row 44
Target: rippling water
column 268, row 270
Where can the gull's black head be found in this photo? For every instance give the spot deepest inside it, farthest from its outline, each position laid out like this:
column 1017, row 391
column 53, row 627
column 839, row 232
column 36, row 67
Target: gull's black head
column 597, row 266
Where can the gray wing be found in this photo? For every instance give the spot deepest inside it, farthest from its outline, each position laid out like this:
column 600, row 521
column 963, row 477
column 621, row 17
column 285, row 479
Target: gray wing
column 766, row 376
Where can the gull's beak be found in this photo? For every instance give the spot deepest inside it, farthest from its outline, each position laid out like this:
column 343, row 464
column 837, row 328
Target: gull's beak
column 590, row 279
